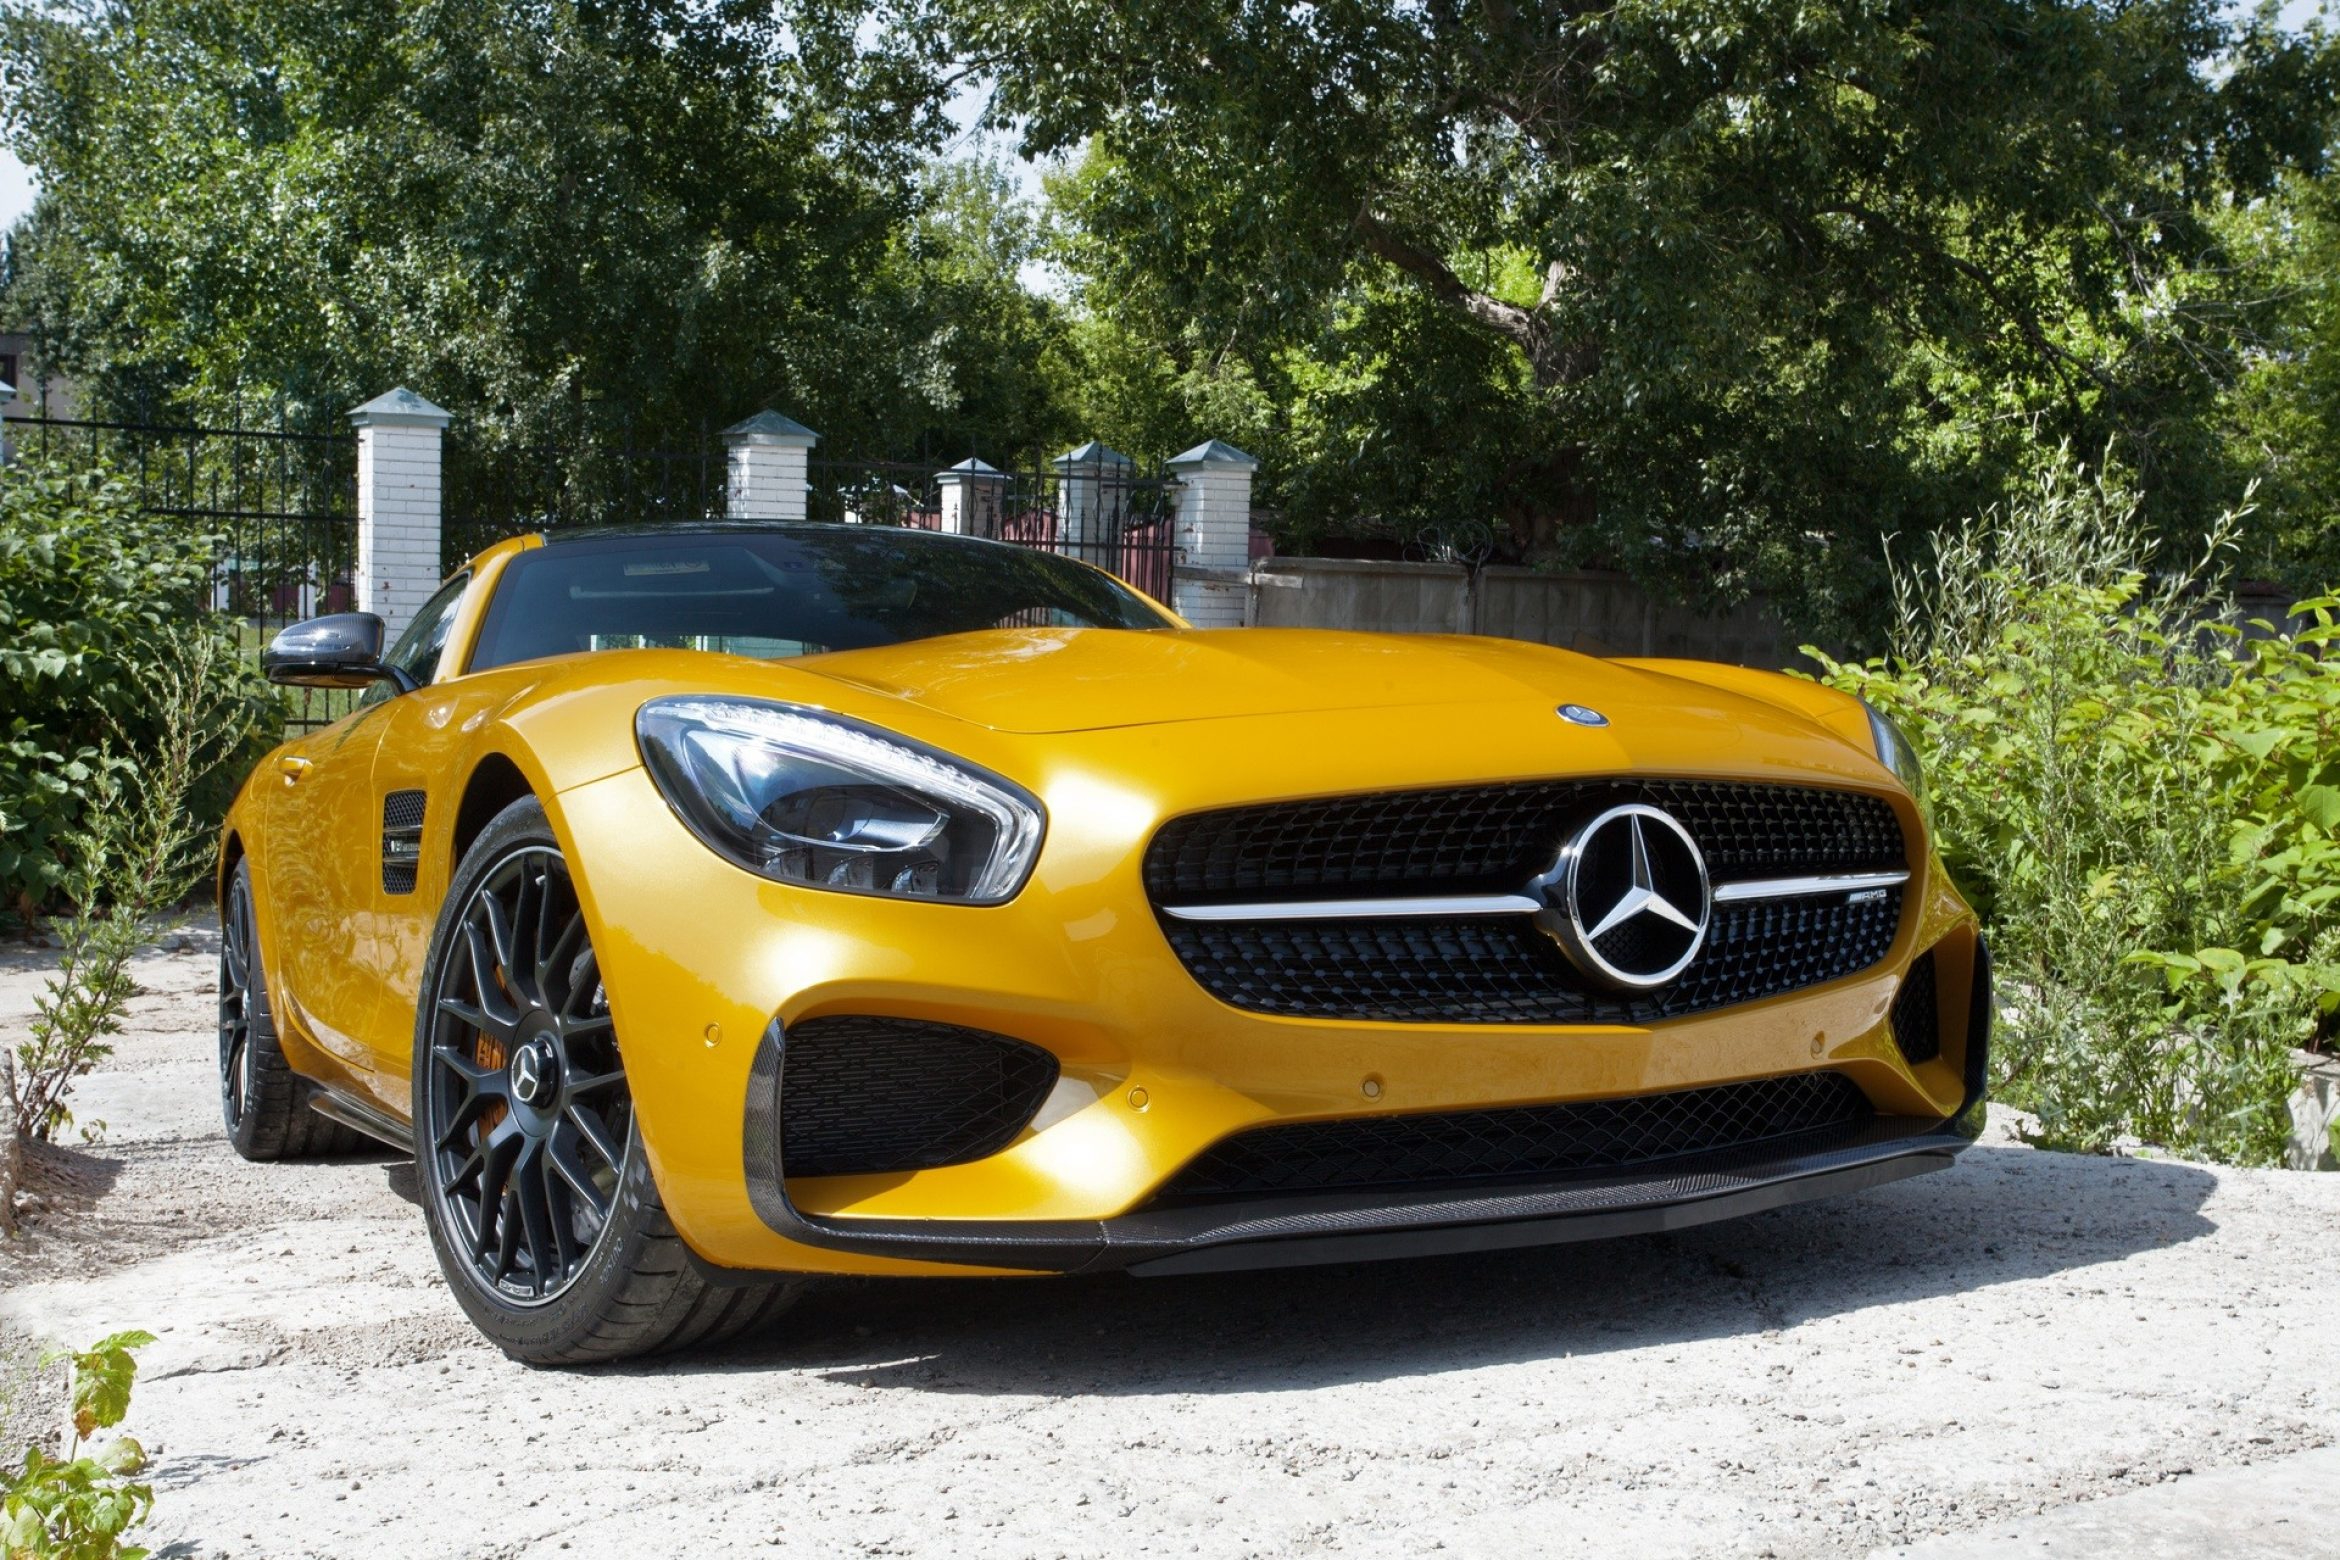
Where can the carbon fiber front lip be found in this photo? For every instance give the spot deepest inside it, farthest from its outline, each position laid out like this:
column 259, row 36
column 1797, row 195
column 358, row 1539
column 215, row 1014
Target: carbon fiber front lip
column 1293, row 1231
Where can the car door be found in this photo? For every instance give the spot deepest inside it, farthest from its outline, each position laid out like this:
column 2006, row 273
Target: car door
column 414, row 789
column 329, row 858
column 317, row 865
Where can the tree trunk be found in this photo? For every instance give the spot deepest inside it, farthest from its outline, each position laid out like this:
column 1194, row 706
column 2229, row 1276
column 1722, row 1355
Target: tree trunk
column 11, row 1144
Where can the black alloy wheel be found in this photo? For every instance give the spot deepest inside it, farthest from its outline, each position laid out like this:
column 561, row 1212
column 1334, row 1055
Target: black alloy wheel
column 237, row 939
column 539, row 1200
column 530, row 1119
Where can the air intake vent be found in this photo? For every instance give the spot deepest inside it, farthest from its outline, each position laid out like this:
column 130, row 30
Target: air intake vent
column 402, row 827
column 1501, row 970
column 862, row 1096
column 1496, row 840
column 1497, row 837
column 1917, row 1013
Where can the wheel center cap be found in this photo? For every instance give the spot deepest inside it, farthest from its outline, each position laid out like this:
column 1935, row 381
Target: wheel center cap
column 536, row 1073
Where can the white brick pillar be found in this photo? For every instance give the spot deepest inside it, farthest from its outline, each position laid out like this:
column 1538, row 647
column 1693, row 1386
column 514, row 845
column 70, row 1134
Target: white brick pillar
column 1211, row 586
column 766, row 465
column 398, row 505
column 1092, row 498
column 971, row 494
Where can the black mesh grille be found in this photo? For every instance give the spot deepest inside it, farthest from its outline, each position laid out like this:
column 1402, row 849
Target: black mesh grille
column 402, row 825
column 1917, row 1013
column 871, row 1095
column 1498, row 837
column 1588, row 1137
column 1501, row 970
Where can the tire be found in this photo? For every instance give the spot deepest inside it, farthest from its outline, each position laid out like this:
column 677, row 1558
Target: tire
column 263, row 1103
column 540, row 1202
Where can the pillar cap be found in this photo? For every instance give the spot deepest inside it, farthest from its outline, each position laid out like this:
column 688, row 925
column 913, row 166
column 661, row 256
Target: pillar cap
column 769, row 427
column 971, row 470
column 1091, row 454
column 1214, row 452
column 400, row 408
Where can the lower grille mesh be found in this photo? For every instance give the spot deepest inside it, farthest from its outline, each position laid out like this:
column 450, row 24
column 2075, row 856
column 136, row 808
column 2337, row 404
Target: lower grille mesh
column 1501, row 970
column 863, row 1096
column 1539, row 1140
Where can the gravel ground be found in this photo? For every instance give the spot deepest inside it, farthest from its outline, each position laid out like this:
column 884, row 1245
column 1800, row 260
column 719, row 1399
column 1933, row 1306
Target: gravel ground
column 1951, row 1355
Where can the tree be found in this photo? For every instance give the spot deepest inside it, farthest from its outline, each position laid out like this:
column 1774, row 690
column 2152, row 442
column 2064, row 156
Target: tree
column 2283, row 415
column 979, row 354
column 1769, row 278
column 585, row 226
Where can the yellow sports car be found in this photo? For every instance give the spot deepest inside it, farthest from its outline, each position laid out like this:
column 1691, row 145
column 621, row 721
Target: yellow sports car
column 710, row 906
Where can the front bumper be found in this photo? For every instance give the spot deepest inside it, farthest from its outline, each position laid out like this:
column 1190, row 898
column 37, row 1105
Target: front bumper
column 1357, row 1227
column 701, row 958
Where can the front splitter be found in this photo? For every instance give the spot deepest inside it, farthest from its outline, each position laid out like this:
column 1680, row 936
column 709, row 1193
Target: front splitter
column 1364, row 1226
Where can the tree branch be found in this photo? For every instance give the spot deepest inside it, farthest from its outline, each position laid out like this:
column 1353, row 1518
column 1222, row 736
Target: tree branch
column 1530, row 330
column 2022, row 318
column 1507, row 319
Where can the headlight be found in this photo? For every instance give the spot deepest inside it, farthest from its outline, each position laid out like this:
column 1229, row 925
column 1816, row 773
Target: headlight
column 799, row 796
column 1894, row 751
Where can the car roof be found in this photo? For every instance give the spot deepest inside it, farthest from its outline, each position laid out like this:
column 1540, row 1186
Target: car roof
column 559, row 536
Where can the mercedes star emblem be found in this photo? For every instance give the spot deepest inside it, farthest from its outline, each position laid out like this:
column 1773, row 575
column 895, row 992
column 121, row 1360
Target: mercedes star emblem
column 530, row 1070
column 1628, row 899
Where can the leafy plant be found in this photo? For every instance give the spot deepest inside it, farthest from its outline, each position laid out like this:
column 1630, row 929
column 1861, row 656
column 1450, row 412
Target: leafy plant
column 2141, row 800
column 135, row 854
column 95, row 592
column 79, row 1506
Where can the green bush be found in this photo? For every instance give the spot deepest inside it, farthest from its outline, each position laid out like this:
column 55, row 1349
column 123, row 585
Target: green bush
column 2142, row 801
column 78, row 1507
column 92, row 589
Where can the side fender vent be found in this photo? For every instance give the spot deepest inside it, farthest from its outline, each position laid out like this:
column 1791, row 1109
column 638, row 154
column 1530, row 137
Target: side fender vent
column 402, row 827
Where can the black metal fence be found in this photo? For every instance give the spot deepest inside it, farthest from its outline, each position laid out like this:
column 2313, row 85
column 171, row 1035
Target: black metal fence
column 1118, row 517
column 280, row 504
column 493, row 490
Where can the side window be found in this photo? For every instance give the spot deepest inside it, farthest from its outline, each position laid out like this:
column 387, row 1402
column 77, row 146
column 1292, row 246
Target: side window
column 417, row 651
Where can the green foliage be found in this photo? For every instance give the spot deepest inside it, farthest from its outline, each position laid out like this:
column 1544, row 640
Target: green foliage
column 79, row 1507
column 2141, row 802
column 95, row 595
column 2282, row 417
column 1721, row 293
column 977, row 354
column 136, row 853
column 583, row 228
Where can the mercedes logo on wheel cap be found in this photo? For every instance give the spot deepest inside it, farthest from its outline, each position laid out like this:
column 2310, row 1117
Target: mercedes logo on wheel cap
column 1628, row 899
column 535, row 1073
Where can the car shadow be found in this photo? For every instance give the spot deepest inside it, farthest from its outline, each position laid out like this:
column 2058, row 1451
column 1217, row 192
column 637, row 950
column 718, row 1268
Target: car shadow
column 2000, row 1215
column 398, row 1175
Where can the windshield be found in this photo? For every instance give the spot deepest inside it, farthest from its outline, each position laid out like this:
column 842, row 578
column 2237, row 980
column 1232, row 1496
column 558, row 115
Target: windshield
column 798, row 591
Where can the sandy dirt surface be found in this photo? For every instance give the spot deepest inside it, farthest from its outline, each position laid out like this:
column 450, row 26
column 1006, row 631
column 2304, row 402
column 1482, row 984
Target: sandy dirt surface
column 1952, row 1354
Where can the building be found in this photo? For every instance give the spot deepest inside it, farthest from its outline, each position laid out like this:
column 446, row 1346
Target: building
column 39, row 391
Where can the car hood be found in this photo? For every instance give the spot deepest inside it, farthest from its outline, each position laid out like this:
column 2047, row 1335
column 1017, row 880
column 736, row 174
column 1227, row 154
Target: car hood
column 1065, row 680
column 1239, row 713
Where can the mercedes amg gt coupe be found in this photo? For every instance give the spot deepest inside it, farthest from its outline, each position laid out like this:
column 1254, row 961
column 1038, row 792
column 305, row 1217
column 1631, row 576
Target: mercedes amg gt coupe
column 706, row 907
